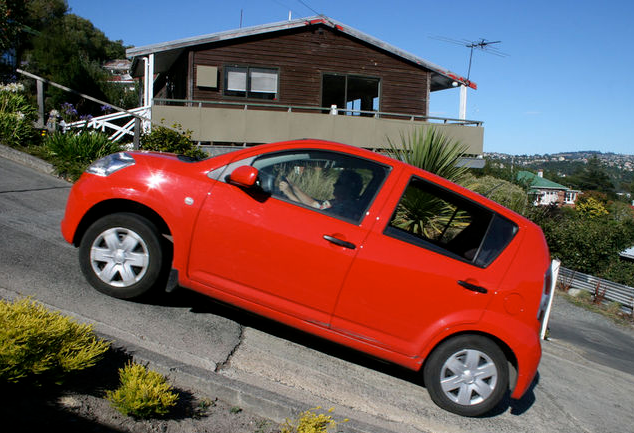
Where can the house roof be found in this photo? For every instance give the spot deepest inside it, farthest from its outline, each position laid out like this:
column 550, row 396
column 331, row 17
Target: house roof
column 537, row 182
column 166, row 53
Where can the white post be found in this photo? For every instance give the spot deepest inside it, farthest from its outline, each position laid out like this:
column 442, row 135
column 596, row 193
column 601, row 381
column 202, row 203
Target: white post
column 555, row 265
column 150, row 100
column 463, row 102
column 148, row 89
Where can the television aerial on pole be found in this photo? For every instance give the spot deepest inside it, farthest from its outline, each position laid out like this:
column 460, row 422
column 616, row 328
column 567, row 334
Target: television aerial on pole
column 482, row 45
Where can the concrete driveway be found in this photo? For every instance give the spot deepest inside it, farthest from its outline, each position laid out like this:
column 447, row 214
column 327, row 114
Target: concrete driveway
column 585, row 381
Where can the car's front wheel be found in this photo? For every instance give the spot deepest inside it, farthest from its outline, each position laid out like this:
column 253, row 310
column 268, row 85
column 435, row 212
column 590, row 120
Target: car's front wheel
column 122, row 255
column 467, row 375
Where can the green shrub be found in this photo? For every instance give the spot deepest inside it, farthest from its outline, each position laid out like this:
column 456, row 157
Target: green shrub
column 163, row 139
column 501, row 191
column 142, row 393
column 310, row 422
column 71, row 152
column 588, row 244
column 40, row 345
column 16, row 117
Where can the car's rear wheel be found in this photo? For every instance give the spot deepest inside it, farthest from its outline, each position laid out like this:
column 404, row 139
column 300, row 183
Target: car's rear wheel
column 467, row 375
column 122, row 255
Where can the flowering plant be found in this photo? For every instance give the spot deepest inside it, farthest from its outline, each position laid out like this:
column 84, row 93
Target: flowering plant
column 16, row 116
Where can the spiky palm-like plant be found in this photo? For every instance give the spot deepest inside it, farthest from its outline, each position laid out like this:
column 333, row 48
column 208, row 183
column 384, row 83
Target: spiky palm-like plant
column 429, row 149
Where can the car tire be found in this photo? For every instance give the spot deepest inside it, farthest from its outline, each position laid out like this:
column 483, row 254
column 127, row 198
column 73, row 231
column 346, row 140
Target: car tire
column 467, row 375
column 123, row 255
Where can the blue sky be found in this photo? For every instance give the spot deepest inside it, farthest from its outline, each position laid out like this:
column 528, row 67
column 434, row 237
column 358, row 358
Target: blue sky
column 562, row 87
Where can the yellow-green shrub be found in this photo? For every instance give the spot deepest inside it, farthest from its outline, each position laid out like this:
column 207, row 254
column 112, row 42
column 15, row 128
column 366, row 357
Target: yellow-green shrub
column 142, row 393
column 310, row 422
column 37, row 343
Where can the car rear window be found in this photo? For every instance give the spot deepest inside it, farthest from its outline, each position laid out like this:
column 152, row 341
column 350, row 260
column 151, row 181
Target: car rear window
column 443, row 221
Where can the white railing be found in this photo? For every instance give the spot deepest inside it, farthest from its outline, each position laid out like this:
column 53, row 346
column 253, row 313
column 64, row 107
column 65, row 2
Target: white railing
column 105, row 123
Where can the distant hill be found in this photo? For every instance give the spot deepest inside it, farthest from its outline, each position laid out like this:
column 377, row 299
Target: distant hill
column 559, row 166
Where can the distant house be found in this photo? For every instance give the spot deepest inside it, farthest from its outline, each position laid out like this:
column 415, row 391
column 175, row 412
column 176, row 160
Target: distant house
column 120, row 73
column 311, row 77
column 546, row 192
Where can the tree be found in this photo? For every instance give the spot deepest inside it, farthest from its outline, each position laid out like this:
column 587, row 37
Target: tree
column 20, row 20
column 70, row 52
column 592, row 177
column 11, row 14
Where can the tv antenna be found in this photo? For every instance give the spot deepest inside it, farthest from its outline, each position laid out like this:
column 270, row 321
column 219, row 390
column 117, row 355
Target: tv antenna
column 481, row 44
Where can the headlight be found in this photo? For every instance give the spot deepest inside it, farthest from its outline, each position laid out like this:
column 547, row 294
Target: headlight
column 111, row 163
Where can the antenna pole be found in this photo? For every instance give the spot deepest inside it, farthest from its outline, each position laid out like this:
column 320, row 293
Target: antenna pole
column 470, row 58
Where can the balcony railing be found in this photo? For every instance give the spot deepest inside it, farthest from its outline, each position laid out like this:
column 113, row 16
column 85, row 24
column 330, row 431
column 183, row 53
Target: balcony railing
column 313, row 109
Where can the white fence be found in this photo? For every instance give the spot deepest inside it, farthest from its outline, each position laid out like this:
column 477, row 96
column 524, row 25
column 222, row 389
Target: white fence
column 613, row 291
column 105, row 123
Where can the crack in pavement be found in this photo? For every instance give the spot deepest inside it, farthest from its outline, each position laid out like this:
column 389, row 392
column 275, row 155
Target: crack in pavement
column 222, row 365
column 36, row 189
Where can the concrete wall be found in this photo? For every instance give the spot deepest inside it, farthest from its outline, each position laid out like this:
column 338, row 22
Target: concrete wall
column 232, row 125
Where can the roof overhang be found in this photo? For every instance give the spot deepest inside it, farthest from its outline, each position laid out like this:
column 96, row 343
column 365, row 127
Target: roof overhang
column 166, row 53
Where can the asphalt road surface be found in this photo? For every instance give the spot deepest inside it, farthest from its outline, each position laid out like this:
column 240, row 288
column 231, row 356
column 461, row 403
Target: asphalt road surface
column 585, row 381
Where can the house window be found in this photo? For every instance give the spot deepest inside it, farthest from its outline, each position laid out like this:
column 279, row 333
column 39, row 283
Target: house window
column 250, row 82
column 358, row 96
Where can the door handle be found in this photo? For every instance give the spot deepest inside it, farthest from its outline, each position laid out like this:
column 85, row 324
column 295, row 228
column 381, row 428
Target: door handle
column 472, row 287
column 340, row 242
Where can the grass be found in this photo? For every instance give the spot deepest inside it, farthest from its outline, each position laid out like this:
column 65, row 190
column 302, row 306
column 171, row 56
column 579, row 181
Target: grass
column 611, row 310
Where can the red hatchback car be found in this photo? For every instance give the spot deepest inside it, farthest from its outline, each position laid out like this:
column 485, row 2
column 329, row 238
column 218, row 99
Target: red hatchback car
column 338, row 241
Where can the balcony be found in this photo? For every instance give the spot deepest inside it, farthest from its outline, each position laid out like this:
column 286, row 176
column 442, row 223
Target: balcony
column 255, row 123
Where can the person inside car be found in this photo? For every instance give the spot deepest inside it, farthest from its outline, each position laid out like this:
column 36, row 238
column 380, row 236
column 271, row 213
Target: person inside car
column 346, row 192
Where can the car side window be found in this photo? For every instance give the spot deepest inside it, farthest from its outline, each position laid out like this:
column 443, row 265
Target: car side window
column 440, row 220
column 333, row 183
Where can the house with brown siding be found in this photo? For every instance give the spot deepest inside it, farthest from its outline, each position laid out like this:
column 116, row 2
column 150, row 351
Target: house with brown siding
column 302, row 78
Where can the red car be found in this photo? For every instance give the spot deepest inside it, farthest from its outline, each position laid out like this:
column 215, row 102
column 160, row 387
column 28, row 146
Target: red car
column 338, row 241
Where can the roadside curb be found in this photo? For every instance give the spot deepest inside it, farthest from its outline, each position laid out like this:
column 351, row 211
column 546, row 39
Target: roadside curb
column 256, row 400
column 26, row 159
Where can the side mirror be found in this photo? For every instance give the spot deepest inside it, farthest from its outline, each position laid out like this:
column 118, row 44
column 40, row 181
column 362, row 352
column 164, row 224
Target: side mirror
column 244, row 176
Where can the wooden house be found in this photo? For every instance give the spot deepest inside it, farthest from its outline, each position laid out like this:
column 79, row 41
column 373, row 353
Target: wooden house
column 303, row 78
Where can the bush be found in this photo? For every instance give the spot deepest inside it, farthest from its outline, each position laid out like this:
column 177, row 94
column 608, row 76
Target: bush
column 588, row 244
column 501, row 191
column 163, row 139
column 38, row 344
column 71, row 153
column 310, row 422
column 142, row 393
column 16, row 117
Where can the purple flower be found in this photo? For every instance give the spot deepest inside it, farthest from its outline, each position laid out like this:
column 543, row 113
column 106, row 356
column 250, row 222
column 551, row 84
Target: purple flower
column 69, row 109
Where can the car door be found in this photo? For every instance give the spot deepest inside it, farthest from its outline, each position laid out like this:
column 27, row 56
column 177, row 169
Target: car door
column 262, row 246
column 430, row 267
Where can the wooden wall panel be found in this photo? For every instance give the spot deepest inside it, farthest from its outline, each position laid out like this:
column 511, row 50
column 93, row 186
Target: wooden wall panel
column 302, row 56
